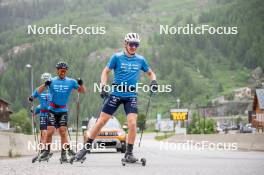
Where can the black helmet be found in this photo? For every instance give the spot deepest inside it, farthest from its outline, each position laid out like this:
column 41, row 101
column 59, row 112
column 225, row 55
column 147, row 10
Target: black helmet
column 62, row 65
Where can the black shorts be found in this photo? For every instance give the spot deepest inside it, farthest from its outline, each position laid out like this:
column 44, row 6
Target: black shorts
column 43, row 121
column 112, row 103
column 58, row 119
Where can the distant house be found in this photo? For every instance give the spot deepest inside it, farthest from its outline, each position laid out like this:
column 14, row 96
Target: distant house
column 258, row 109
column 4, row 115
column 241, row 93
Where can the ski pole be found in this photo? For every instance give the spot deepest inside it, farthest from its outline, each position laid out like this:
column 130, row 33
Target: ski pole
column 34, row 125
column 143, row 126
column 69, row 133
column 77, row 112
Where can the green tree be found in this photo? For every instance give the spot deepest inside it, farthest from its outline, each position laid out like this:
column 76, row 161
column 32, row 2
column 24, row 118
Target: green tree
column 22, row 121
column 141, row 121
column 197, row 125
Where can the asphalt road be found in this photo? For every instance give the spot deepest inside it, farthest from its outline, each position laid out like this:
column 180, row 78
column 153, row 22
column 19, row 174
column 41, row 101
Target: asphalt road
column 159, row 161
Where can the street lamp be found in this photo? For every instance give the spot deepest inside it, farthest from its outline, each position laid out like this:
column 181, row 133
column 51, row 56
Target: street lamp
column 178, row 102
column 32, row 89
column 31, row 72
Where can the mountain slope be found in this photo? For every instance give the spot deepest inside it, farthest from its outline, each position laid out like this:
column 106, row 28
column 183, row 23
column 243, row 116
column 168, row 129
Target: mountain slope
column 199, row 67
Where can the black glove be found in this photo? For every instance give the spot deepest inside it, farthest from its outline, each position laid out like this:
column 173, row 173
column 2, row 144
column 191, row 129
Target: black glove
column 153, row 86
column 30, row 99
column 80, row 81
column 47, row 83
column 103, row 93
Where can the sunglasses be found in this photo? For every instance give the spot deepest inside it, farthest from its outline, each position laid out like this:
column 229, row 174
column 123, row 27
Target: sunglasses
column 133, row 44
column 62, row 70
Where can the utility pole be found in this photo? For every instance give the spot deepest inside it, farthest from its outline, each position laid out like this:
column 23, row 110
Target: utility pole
column 32, row 89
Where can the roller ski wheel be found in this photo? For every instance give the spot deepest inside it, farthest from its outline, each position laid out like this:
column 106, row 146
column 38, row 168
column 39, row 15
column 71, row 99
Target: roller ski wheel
column 73, row 159
column 123, row 161
column 143, row 161
column 83, row 159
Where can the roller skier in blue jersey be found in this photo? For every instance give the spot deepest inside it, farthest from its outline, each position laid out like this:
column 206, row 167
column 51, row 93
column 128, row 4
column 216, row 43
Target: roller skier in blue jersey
column 127, row 66
column 60, row 88
column 42, row 110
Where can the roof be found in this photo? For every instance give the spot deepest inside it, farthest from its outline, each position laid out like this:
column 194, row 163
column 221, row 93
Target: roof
column 6, row 102
column 260, row 97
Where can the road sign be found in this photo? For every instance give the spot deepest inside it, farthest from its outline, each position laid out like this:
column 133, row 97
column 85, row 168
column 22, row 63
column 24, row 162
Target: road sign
column 179, row 114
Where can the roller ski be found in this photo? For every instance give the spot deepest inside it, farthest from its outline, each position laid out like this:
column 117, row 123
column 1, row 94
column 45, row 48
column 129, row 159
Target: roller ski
column 35, row 159
column 130, row 159
column 44, row 156
column 80, row 156
column 64, row 158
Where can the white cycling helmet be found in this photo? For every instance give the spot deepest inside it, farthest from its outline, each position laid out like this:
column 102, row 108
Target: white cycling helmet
column 132, row 37
column 46, row 76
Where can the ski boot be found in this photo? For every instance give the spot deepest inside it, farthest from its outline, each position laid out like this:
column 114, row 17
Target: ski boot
column 71, row 153
column 63, row 158
column 129, row 157
column 44, row 156
column 80, row 156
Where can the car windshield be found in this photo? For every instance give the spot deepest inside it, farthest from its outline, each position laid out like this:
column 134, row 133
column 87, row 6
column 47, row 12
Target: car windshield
column 111, row 124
